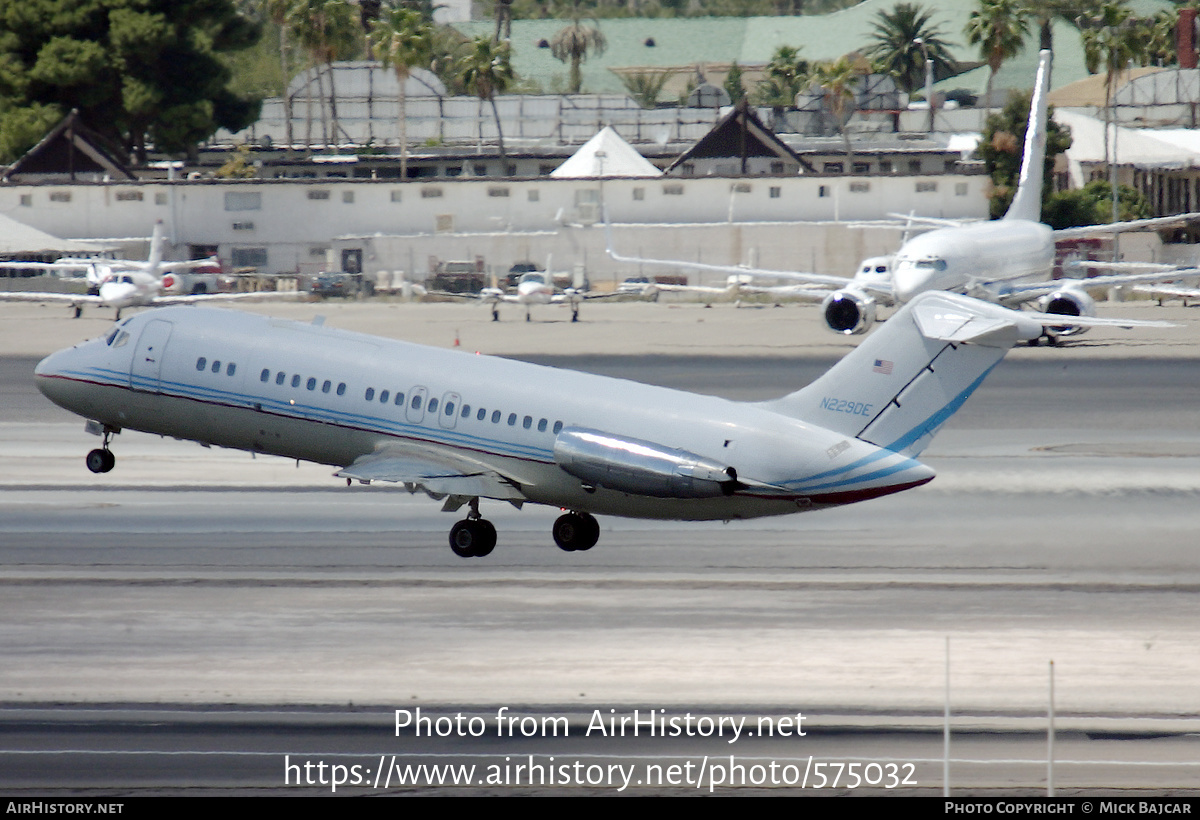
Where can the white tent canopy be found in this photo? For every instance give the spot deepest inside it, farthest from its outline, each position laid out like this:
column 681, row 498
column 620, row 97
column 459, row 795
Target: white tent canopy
column 18, row 239
column 606, row 155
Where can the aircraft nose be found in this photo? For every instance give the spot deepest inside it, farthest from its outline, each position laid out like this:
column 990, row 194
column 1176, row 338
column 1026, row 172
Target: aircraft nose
column 48, row 375
column 909, row 280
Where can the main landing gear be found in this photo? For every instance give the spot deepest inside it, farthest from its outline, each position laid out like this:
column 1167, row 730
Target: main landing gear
column 101, row 460
column 576, row 532
column 474, row 536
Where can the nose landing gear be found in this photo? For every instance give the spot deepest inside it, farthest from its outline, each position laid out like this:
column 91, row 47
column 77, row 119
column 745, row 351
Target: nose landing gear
column 101, row 460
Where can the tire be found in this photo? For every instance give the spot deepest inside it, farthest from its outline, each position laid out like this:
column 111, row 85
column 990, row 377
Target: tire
column 576, row 532
column 464, row 539
column 487, row 538
column 100, row 461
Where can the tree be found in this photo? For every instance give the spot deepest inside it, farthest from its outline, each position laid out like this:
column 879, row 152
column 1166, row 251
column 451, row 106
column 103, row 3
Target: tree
column 1111, row 42
column 574, row 43
column 645, row 86
column 999, row 28
column 485, row 71
column 734, row 86
column 904, row 39
column 1002, row 146
column 785, row 77
column 839, row 80
column 137, row 72
column 328, row 30
column 1092, row 205
column 403, row 40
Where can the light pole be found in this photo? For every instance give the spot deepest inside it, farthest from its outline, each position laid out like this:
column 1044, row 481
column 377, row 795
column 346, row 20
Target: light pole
column 919, row 42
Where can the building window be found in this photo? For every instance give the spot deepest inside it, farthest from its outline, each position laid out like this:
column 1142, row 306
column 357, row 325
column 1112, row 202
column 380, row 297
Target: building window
column 823, row 191
column 688, row 169
column 129, row 196
column 444, row 223
column 480, row 169
column 243, row 226
column 742, row 188
column 885, row 166
column 26, row 200
column 776, row 167
column 348, row 197
column 498, row 191
column 545, row 170
column 160, row 199
column 510, row 170
column 775, row 192
column 926, row 187
column 431, row 193
column 60, row 196
column 914, row 166
column 243, row 200
column 960, row 189
column 639, row 194
column 861, row 168
column 832, row 168
column 860, row 187
column 396, row 194
column 318, row 195
column 533, row 195
column 950, row 165
column 673, row 189
column 249, row 257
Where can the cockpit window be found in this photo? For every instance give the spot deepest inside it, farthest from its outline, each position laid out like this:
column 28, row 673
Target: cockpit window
column 935, row 264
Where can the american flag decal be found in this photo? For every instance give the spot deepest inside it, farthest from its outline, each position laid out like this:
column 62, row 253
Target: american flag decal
column 883, row 366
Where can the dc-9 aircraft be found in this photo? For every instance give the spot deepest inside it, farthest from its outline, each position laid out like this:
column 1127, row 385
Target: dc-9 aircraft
column 464, row 427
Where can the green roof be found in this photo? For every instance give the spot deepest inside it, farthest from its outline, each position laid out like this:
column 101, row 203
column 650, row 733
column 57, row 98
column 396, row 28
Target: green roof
column 752, row 40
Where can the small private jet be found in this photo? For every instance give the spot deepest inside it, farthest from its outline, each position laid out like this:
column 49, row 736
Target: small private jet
column 463, row 427
column 1008, row 261
column 538, row 288
column 124, row 283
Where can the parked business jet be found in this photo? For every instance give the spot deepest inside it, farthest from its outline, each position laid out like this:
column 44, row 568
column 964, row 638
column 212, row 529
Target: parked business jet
column 1008, row 261
column 464, row 427
column 123, row 283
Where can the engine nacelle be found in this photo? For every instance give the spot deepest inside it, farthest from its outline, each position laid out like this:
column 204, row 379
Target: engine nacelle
column 848, row 311
column 640, row 467
column 1068, row 302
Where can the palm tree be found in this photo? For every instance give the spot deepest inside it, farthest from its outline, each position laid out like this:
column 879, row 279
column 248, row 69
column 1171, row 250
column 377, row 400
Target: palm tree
column 1110, row 42
column 277, row 11
column 403, row 40
column 785, row 76
column 574, row 43
column 904, row 39
column 485, row 71
column 999, row 28
column 839, row 80
column 328, row 30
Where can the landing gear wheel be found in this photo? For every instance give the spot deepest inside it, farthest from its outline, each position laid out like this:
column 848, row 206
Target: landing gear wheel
column 576, row 532
column 100, row 461
column 472, row 538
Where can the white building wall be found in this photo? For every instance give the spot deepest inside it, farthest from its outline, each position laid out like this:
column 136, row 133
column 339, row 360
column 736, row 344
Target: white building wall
column 296, row 221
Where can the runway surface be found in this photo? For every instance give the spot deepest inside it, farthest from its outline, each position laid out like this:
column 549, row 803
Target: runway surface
column 200, row 588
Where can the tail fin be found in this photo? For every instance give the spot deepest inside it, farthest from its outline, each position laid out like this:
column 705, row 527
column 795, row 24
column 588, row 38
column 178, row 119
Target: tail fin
column 1027, row 204
column 156, row 249
column 906, row 379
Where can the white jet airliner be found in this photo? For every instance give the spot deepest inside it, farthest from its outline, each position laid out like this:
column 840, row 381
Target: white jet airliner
column 464, row 427
column 123, row 283
column 1008, row 261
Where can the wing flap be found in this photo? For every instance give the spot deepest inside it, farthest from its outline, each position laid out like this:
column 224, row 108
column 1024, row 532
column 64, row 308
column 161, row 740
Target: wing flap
column 435, row 471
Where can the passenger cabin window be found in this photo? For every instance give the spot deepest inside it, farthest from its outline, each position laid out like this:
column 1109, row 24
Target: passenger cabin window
column 558, row 426
column 230, row 369
column 449, row 409
column 216, row 367
column 370, row 394
column 542, row 425
column 399, row 400
column 341, row 391
column 481, row 414
column 416, row 402
column 265, row 376
column 527, row 422
column 512, row 419
column 312, row 383
column 201, row 363
column 280, row 377
column 433, row 405
column 495, row 417
column 384, row 395
column 326, row 386
column 296, row 380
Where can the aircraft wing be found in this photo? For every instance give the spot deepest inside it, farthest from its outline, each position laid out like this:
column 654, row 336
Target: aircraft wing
column 811, row 278
column 1025, row 293
column 231, row 297
column 61, row 298
column 435, row 471
column 1154, row 224
column 1167, row 290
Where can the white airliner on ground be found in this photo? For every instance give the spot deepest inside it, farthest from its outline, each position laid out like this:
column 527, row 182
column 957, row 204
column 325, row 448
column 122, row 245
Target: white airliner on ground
column 122, row 283
column 465, row 427
column 1008, row 261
